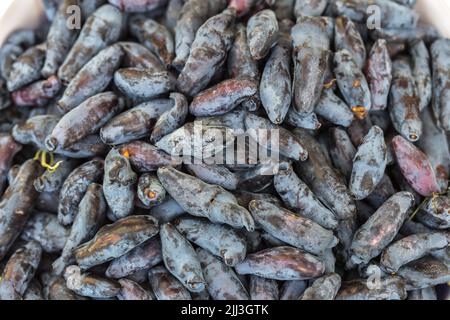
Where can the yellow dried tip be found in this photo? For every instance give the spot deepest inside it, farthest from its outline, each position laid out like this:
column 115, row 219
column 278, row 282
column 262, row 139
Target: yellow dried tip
column 126, row 153
column 359, row 111
column 356, row 83
column 328, row 85
column 37, row 155
column 41, row 156
column 413, row 136
column 434, row 196
column 151, row 194
column 53, row 168
column 417, row 209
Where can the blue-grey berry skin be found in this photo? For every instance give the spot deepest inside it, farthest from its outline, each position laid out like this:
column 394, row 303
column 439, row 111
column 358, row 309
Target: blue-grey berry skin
column 301, row 120
column 119, row 183
column 381, row 228
column 333, row 109
column 275, row 87
column 222, row 281
column 434, row 212
column 8, row 54
column 284, row 9
column 89, row 7
column 20, row 270
column 84, row 120
column 154, row 36
column 351, row 81
column 293, row 289
column 101, row 29
column 165, row 286
column 312, row 32
column 185, row 142
column 5, row 99
column 90, row 285
column 324, row 288
column 167, row 211
column 115, row 240
column 220, row 240
column 47, row 231
column 342, row 151
column 186, row 189
column 440, row 53
column 310, row 65
column 181, row 259
column 74, row 188
column 412, row 248
column 412, row 227
column 378, row 71
column 289, row 145
column 171, row 119
column 8, row 149
column 93, row 78
column 143, row 84
column 369, row 164
column 409, row 3
column 383, row 191
column 135, row 123
column 329, row 187
column 16, row 205
column 309, row 7
column 223, row 97
column 143, row 257
column 346, row 36
column 252, row 179
column 425, row 32
column 311, row 46
column 297, row 195
column 282, row 263
column 215, row 174
column 245, row 197
column 191, row 17
column 51, row 181
column 262, row 31
column 425, row 272
column 394, row 15
column 404, row 103
column 421, row 70
column 433, row 137
column 90, row 216
column 60, row 39
column 216, row 35
column 240, row 62
column 35, row 130
column 233, row 120
column 138, row 56
column 286, row 226
column 27, row 68
column 132, row 291
column 150, row 191
column 389, row 288
column 263, row 289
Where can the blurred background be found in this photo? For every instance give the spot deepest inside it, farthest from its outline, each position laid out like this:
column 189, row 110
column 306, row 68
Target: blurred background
column 16, row 14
